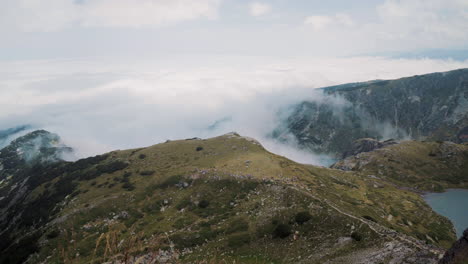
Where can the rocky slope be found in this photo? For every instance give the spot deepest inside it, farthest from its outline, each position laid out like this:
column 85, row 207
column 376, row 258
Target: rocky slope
column 367, row 145
column 24, row 166
column 432, row 106
column 458, row 253
column 224, row 199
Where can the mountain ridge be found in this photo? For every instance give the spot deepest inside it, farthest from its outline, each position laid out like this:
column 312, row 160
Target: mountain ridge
column 422, row 107
column 218, row 198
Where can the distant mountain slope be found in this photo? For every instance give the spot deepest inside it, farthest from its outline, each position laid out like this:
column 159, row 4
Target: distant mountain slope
column 432, row 106
column 425, row 166
column 221, row 199
column 6, row 134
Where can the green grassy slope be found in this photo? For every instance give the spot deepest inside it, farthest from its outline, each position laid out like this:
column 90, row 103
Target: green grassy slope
column 425, row 166
column 222, row 199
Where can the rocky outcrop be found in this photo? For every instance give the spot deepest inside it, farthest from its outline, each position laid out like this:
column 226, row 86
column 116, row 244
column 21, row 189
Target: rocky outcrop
column 458, row 253
column 432, row 106
column 367, row 145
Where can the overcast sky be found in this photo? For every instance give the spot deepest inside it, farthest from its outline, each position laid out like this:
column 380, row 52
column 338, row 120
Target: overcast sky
column 108, row 74
column 44, row 29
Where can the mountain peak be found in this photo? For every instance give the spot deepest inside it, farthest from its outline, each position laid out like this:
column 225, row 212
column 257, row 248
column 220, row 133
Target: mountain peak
column 39, row 146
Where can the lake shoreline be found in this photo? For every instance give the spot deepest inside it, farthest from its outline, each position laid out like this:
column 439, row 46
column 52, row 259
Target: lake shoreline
column 451, row 204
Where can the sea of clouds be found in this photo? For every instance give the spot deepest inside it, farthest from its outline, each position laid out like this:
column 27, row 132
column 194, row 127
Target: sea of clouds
column 98, row 105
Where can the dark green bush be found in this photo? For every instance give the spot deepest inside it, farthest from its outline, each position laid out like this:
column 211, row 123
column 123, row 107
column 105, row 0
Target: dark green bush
column 370, row 218
column 356, row 236
column 128, row 186
column 203, row 204
column 237, row 225
column 302, row 217
column 53, row 234
column 193, row 239
column 199, row 148
column 282, row 231
column 147, row 173
column 169, row 182
column 183, row 203
column 238, row 240
column 142, row 156
column 183, row 222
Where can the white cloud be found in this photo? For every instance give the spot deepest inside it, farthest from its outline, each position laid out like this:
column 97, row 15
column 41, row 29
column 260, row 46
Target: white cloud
column 99, row 106
column 53, row 15
column 396, row 25
column 122, row 13
column 321, row 22
column 426, row 20
column 259, row 9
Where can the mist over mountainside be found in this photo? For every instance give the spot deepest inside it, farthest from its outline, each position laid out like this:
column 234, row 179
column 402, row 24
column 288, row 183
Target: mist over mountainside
column 423, row 107
column 97, row 106
column 7, row 135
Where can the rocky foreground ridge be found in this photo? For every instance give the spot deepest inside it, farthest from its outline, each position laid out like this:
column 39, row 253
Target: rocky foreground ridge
column 458, row 253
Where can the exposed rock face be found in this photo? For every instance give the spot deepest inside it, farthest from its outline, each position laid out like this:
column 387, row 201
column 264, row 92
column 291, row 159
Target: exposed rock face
column 432, row 106
column 366, row 145
column 458, row 253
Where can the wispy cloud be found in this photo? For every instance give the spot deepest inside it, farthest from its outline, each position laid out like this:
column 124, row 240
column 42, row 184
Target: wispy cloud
column 398, row 25
column 53, row 15
column 320, row 22
column 259, row 9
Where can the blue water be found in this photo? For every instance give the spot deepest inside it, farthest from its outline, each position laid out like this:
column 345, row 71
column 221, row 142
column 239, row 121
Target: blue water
column 452, row 204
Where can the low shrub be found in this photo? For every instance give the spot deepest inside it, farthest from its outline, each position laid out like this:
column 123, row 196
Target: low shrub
column 169, row 182
column 147, row 173
column 282, row 231
column 237, row 225
column 238, row 240
column 302, row 217
column 356, row 236
column 183, row 203
column 53, row 234
column 370, row 218
column 203, row 204
column 128, row 186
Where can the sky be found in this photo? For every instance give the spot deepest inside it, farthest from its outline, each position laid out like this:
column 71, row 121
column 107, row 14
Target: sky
column 44, row 29
column 115, row 74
